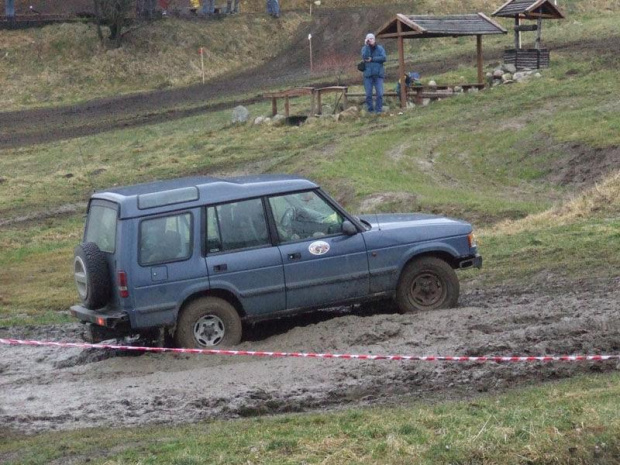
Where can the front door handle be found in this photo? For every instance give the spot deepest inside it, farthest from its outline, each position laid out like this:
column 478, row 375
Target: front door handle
column 222, row 267
column 294, row 256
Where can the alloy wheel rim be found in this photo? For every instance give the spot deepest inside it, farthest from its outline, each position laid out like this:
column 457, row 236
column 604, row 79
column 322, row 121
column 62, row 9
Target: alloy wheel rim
column 209, row 330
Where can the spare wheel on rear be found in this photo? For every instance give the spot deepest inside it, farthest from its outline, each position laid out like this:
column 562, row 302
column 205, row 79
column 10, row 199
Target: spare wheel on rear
column 92, row 278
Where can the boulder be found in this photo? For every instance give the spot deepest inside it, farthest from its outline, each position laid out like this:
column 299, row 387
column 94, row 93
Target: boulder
column 259, row 120
column 509, row 68
column 498, row 73
column 350, row 113
column 538, row 75
column 426, row 102
column 507, row 77
column 278, row 120
column 458, row 89
column 432, row 83
column 240, row 114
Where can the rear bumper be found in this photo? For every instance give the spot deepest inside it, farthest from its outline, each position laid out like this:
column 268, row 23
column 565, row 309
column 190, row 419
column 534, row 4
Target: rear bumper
column 114, row 320
column 471, row 262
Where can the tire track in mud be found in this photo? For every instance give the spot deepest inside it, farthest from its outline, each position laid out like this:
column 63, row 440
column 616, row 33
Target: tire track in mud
column 66, row 389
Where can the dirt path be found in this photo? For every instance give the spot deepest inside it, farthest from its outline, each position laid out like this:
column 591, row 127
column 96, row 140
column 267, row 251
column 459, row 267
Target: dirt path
column 45, row 388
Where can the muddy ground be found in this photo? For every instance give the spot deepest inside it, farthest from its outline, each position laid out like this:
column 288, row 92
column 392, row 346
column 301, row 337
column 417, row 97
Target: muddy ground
column 58, row 389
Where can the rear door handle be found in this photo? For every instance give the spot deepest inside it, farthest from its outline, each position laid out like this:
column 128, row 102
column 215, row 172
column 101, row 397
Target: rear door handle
column 222, row 267
column 294, row 256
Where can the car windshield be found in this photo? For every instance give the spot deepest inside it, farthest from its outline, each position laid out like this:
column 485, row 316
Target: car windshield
column 101, row 227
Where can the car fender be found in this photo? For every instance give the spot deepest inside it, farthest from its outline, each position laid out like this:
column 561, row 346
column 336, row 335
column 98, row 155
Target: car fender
column 426, row 249
column 202, row 289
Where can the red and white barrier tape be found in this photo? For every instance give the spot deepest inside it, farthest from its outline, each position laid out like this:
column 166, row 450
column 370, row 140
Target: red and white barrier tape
column 249, row 353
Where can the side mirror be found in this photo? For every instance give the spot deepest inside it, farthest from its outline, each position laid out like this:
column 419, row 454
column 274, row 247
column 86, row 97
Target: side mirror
column 349, row 228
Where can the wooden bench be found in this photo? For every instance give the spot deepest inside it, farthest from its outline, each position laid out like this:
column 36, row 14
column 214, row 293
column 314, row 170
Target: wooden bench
column 314, row 93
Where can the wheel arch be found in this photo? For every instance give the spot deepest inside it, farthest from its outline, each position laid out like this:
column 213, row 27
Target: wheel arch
column 443, row 253
column 223, row 294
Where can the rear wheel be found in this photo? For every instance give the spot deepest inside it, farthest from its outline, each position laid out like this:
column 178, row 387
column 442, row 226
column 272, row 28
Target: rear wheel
column 427, row 283
column 208, row 323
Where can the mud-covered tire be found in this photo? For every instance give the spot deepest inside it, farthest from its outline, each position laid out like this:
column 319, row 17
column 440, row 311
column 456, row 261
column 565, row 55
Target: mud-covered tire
column 427, row 283
column 92, row 278
column 208, row 323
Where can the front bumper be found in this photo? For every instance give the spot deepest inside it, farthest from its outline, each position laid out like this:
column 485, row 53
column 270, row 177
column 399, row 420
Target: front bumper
column 114, row 320
column 471, row 262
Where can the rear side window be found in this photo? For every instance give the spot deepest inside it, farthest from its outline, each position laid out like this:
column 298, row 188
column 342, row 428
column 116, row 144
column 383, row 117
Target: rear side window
column 101, row 228
column 165, row 239
column 238, row 225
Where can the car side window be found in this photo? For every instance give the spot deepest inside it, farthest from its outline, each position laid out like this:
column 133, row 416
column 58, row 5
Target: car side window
column 236, row 225
column 304, row 215
column 165, row 239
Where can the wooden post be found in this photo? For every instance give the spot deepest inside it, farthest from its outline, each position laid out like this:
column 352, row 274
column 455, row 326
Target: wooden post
column 310, row 42
column 318, row 102
column 479, row 57
column 517, row 33
column 202, row 64
column 539, row 33
column 287, row 107
column 401, row 66
column 274, row 106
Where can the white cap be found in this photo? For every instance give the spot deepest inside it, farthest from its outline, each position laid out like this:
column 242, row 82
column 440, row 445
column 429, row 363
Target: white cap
column 370, row 36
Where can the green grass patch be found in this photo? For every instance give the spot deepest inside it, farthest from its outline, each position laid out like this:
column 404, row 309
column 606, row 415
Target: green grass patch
column 572, row 422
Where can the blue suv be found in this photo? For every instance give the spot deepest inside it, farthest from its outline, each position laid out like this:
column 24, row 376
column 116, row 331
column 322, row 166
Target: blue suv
column 199, row 256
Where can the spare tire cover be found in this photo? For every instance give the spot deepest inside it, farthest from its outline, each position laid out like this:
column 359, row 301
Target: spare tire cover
column 92, row 278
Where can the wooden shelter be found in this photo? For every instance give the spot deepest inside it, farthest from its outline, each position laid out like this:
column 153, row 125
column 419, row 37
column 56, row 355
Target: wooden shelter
column 427, row 27
column 528, row 10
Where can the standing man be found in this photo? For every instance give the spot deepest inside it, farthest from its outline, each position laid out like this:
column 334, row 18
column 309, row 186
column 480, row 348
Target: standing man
column 374, row 57
column 273, row 8
column 232, row 7
column 208, row 7
column 9, row 9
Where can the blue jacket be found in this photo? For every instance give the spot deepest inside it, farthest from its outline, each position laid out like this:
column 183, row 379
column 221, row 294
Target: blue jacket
column 375, row 67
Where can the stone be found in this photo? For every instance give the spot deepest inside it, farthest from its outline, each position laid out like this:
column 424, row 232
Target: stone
column 474, row 90
column 520, row 76
column 538, row 75
column 498, row 73
column 410, row 105
column 350, row 113
column 509, row 68
column 259, row 120
column 240, row 114
column 432, row 83
column 426, row 102
column 509, row 81
column 311, row 121
column 507, row 77
column 458, row 89
column 279, row 120
column 327, row 109
column 489, row 74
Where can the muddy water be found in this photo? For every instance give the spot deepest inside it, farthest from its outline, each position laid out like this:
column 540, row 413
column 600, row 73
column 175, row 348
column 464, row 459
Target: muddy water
column 47, row 388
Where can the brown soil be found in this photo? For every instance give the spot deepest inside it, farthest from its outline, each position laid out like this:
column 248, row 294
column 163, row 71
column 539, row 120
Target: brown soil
column 49, row 388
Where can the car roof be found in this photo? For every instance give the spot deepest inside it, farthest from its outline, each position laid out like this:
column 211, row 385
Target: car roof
column 207, row 190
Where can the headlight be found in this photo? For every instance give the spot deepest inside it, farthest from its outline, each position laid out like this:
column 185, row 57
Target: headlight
column 471, row 238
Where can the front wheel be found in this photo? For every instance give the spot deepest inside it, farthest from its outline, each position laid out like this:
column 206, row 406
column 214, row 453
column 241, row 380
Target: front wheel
column 208, row 323
column 427, row 283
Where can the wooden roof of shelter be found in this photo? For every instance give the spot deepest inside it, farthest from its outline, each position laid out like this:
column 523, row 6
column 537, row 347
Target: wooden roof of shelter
column 423, row 26
column 529, row 9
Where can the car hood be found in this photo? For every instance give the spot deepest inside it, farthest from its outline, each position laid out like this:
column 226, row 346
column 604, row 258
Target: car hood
column 387, row 221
